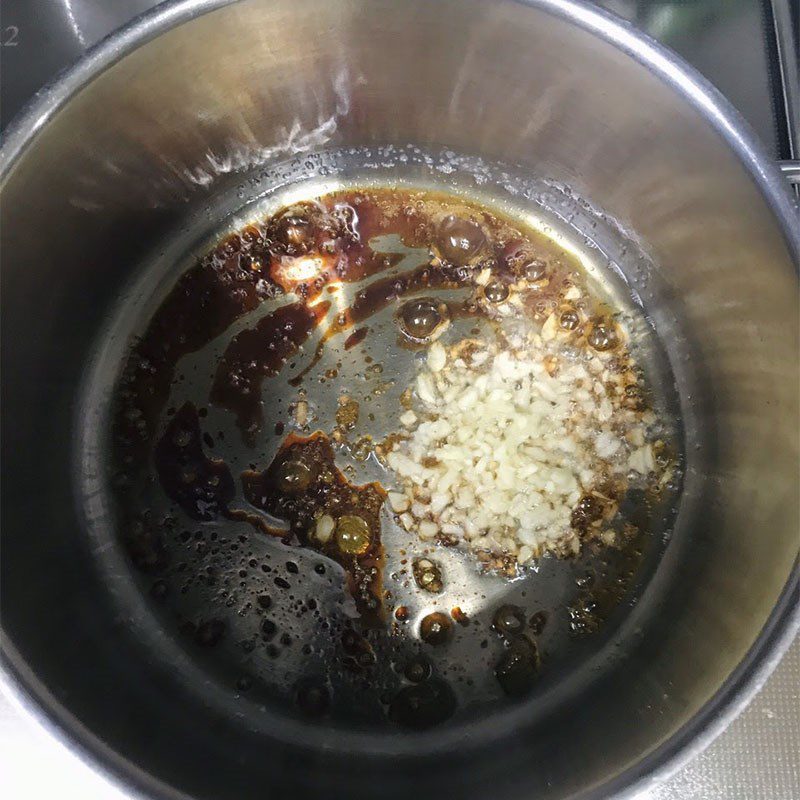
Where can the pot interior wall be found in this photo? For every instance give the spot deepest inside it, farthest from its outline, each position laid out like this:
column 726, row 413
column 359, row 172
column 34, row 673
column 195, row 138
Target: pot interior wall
column 133, row 169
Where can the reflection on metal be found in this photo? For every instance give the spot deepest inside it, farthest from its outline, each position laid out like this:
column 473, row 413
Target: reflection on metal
column 73, row 23
column 790, row 78
column 791, row 170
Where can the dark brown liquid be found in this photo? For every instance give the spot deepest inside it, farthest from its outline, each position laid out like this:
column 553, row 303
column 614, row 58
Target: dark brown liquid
column 203, row 304
column 355, row 338
column 420, row 318
column 435, row 628
column 303, row 249
column 310, row 249
column 203, row 487
column 423, row 705
column 509, row 620
column 518, row 668
column 380, row 294
column 258, row 353
column 325, row 491
column 459, row 240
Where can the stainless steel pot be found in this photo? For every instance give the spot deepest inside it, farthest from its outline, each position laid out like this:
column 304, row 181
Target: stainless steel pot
column 193, row 102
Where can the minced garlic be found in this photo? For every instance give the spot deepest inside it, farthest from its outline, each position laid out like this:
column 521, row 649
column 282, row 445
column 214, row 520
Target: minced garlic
column 507, row 447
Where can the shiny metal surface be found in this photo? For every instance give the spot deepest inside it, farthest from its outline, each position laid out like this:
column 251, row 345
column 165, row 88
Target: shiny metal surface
column 786, row 37
column 728, row 41
column 702, row 199
column 41, row 38
column 754, row 759
column 757, row 756
column 791, row 170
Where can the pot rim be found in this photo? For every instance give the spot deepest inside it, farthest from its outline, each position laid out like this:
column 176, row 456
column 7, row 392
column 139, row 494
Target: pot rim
column 31, row 697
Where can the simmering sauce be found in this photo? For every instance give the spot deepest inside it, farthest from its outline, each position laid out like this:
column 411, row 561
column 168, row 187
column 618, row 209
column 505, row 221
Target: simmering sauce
column 273, row 298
